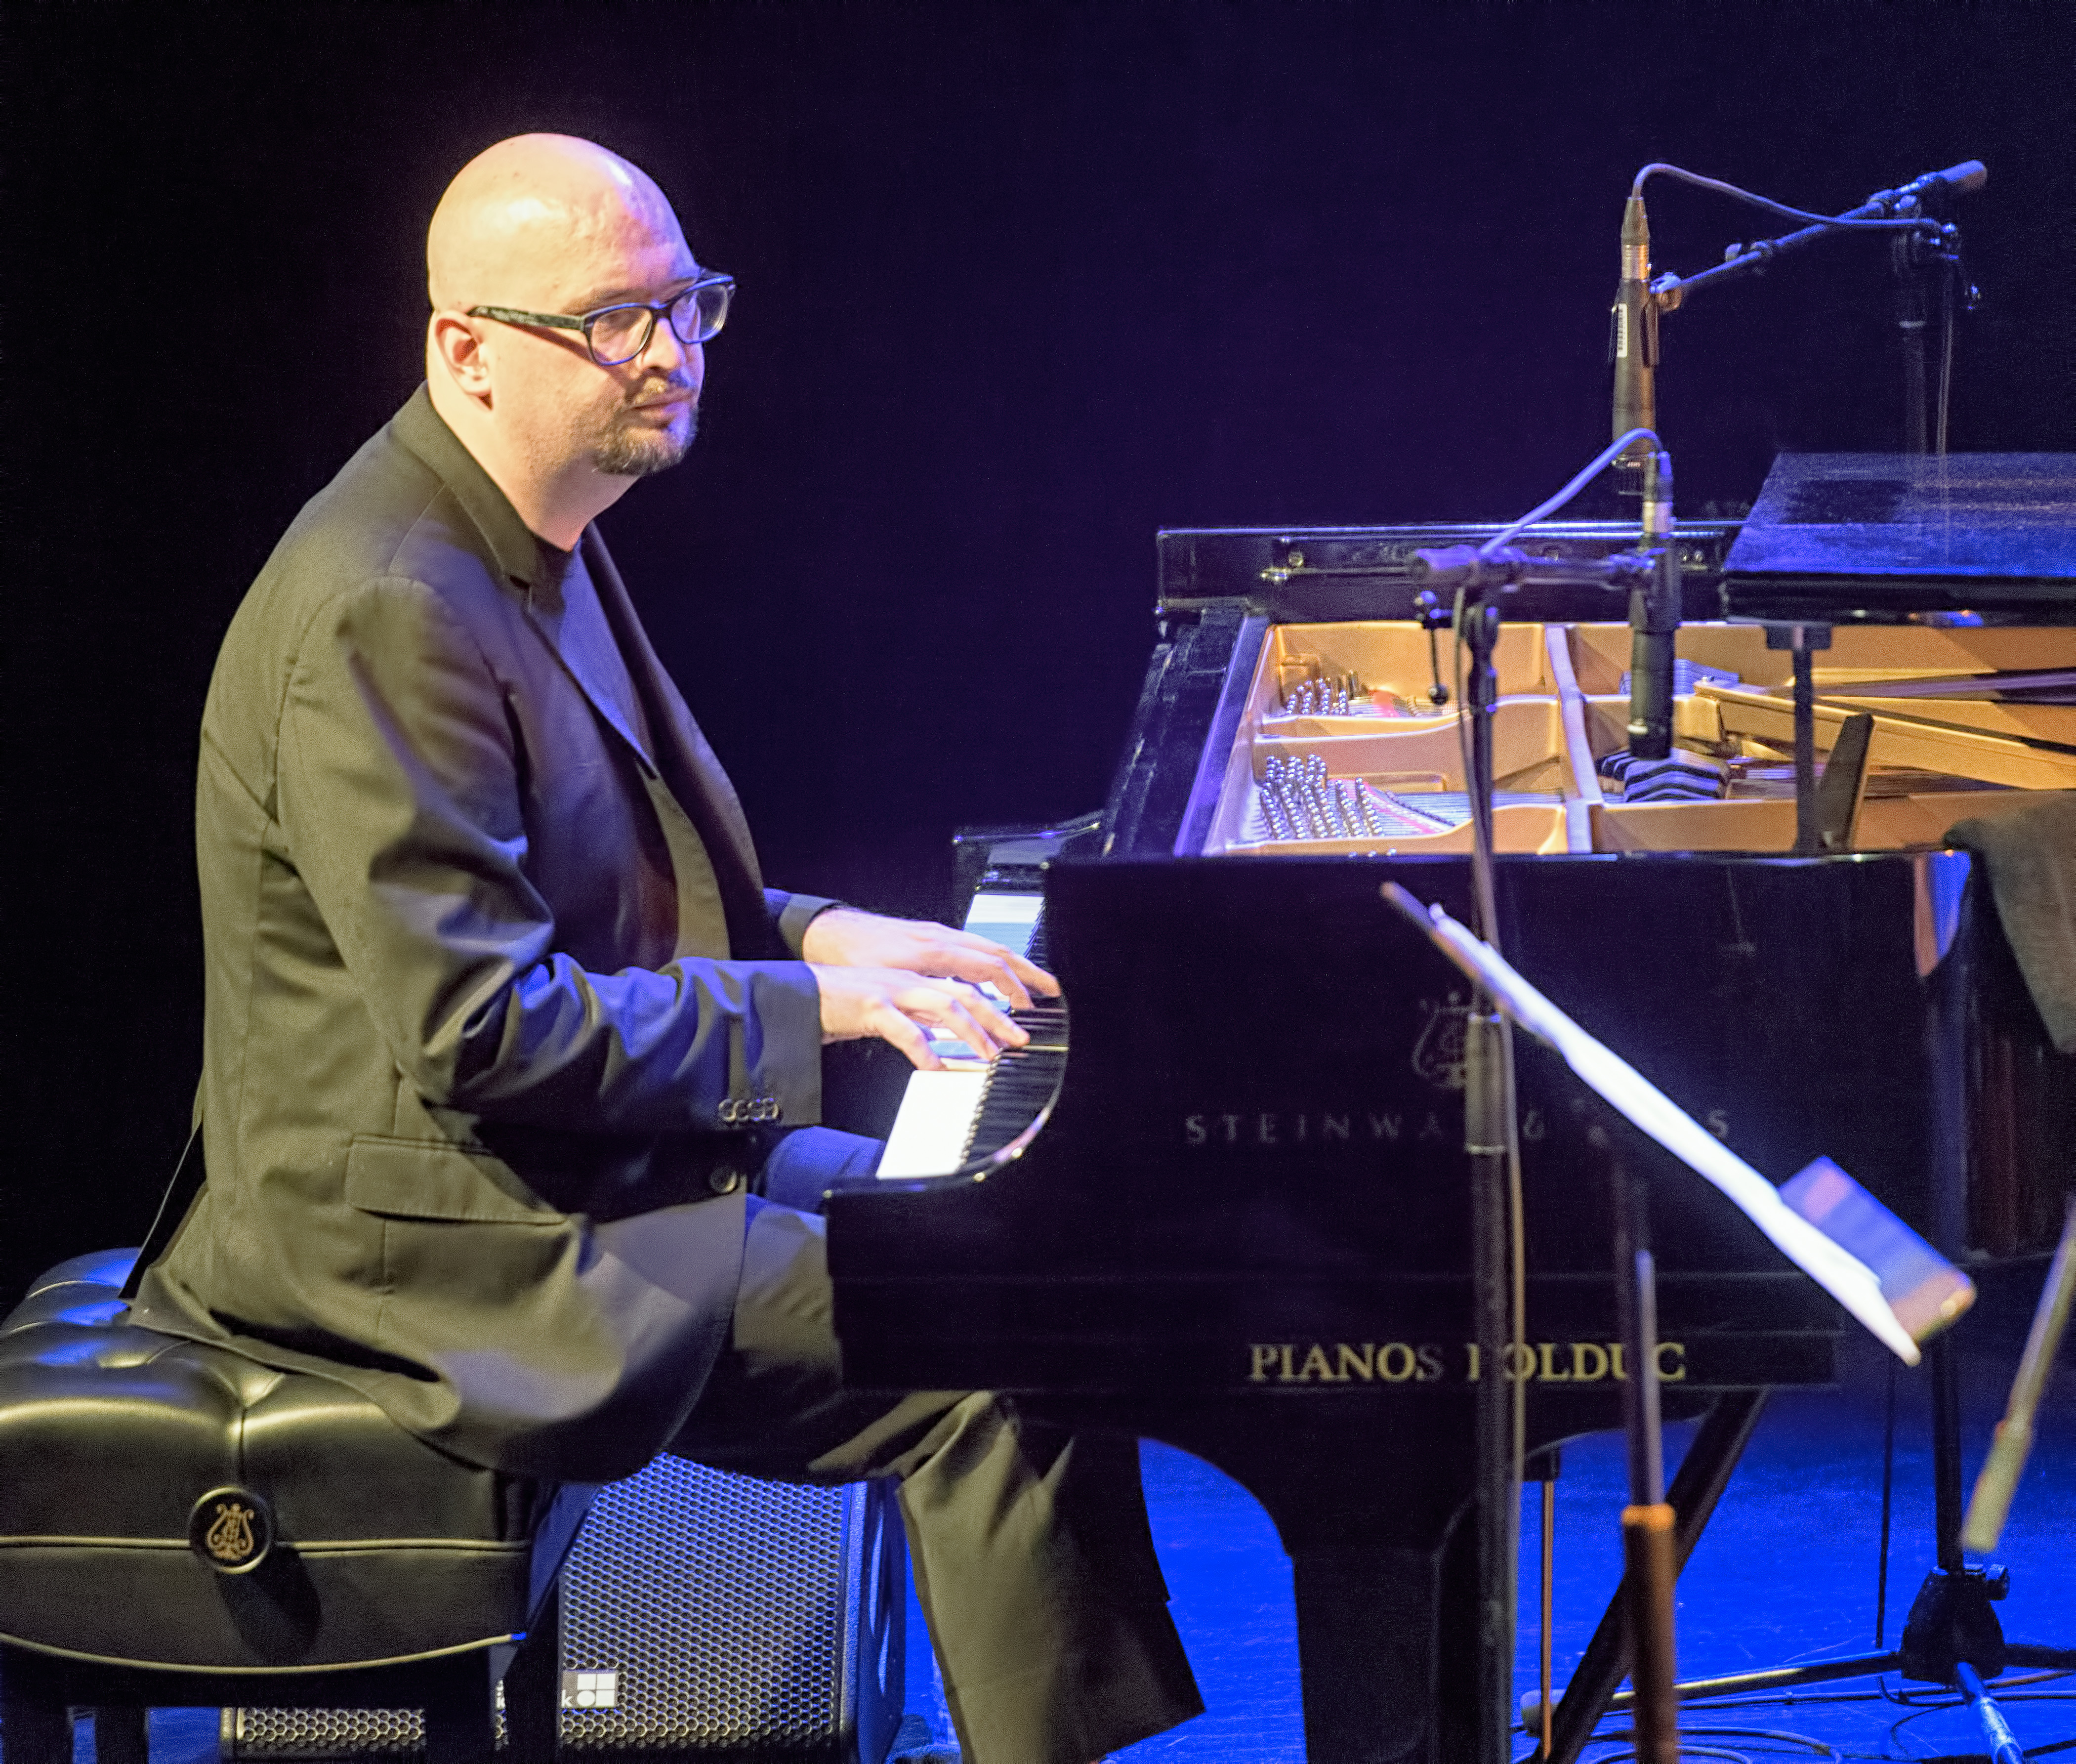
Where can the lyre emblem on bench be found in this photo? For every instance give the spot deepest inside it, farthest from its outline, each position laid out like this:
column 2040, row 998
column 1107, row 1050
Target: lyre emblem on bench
column 231, row 1530
column 230, row 1539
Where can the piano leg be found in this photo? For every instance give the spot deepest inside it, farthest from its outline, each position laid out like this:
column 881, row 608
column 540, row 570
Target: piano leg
column 1378, row 1623
column 1368, row 1630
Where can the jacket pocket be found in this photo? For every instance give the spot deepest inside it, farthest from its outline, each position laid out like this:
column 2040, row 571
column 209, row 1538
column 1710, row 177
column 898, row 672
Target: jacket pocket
column 430, row 1179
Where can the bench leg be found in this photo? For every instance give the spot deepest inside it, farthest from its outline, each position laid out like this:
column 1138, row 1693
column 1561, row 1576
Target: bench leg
column 533, row 1689
column 460, row 1716
column 33, row 1731
column 120, row 1735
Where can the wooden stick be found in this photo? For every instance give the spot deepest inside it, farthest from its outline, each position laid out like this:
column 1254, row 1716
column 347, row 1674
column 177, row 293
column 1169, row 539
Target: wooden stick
column 1648, row 1554
column 1544, row 1648
column 1990, row 1504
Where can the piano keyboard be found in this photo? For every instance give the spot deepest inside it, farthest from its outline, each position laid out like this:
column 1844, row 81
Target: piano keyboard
column 971, row 1108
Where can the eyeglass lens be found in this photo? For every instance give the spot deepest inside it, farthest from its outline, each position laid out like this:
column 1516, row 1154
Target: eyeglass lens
column 620, row 332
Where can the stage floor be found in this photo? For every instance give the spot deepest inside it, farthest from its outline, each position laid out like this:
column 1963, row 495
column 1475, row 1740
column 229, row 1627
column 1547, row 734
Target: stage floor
column 1785, row 1574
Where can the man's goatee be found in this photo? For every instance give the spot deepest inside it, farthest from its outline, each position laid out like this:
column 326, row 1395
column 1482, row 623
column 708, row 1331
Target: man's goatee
column 630, row 454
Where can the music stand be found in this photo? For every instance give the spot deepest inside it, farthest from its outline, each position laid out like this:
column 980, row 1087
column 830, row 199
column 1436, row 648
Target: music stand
column 1923, row 1293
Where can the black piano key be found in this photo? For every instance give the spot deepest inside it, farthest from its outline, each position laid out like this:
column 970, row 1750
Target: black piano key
column 1018, row 1084
column 1024, row 1079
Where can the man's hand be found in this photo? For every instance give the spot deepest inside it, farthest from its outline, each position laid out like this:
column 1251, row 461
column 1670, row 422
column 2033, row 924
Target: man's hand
column 896, row 979
column 894, row 1003
column 843, row 937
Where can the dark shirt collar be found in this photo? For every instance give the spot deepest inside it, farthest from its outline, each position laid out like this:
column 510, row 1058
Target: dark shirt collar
column 525, row 559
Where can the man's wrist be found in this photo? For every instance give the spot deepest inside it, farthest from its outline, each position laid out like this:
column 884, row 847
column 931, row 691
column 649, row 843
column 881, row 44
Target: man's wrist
column 798, row 912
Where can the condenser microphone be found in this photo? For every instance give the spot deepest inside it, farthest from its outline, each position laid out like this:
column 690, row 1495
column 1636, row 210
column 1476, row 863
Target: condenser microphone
column 1633, row 341
column 1654, row 618
column 1969, row 174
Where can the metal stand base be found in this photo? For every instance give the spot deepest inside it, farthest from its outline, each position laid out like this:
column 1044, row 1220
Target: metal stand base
column 1951, row 1637
column 1857, row 1666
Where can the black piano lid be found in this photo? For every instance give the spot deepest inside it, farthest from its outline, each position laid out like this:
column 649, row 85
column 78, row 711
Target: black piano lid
column 1867, row 537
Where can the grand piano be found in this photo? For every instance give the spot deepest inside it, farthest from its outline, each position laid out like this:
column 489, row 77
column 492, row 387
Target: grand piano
column 1231, row 1213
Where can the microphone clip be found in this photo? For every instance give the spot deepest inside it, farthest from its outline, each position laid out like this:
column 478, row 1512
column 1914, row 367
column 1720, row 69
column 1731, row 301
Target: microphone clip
column 1477, row 573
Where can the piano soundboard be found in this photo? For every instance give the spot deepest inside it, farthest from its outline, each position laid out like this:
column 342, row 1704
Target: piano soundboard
column 1967, row 722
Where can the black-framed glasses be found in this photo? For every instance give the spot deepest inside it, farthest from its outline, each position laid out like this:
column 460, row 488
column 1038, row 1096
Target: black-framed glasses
column 618, row 334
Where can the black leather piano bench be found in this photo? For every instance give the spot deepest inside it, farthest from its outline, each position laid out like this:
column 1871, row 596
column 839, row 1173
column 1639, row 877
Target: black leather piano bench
column 182, row 1528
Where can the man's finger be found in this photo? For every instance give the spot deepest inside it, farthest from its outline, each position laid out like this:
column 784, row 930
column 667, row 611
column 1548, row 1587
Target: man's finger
column 971, row 1019
column 896, row 1027
column 991, row 1017
column 1032, row 975
column 955, row 1019
column 1009, row 973
column 988, row 965
column 1028, row 973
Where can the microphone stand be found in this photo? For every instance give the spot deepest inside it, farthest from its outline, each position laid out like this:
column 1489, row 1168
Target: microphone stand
column 1950, row 1635
column 1492, row 1153
column 1920, row 240
column 1491, row 1148
column 1668, row 292
column 1650, row 1558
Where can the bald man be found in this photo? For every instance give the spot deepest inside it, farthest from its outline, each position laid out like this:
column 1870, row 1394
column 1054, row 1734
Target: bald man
column 508, row 1048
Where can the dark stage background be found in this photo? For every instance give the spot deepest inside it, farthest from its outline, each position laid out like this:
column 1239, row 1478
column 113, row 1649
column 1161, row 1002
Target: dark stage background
column 1020, row 284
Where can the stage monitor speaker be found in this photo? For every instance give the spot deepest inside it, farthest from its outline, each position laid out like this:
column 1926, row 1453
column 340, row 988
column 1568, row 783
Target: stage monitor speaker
column 705, row 1617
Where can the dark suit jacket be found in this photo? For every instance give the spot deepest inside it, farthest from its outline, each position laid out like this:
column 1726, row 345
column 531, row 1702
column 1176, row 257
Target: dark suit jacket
column 490, row 989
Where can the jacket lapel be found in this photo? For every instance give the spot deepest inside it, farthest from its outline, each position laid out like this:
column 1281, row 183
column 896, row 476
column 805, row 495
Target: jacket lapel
column 594, row 688
column 720, row 891
column 685, row 767
column 681, row 753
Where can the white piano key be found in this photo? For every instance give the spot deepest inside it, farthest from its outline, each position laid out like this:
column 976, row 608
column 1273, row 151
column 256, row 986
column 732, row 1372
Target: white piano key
column 936, row 1115
column 1009, row 920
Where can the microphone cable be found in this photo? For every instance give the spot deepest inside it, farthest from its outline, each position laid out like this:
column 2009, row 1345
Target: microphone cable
column 1543, row 511
column 1889, row 224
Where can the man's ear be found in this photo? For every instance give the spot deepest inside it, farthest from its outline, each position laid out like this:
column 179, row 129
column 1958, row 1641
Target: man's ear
column 457, row 345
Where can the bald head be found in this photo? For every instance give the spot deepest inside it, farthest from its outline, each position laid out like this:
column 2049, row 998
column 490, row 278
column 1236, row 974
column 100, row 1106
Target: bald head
column 547, row 224
column 533, row 211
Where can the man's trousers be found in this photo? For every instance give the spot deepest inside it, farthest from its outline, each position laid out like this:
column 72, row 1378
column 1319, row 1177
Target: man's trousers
column 1033, row 1561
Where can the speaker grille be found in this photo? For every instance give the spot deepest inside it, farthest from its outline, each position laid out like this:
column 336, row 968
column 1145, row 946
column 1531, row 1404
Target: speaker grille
column 326, row 1733
column 723, row 1603
column 732, row 1614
